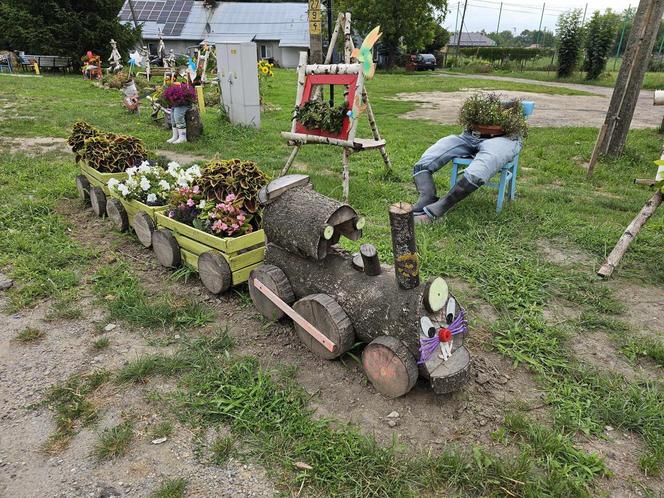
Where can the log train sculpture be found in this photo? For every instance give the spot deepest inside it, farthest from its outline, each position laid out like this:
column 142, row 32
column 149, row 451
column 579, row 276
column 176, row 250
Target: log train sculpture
column 336, row 299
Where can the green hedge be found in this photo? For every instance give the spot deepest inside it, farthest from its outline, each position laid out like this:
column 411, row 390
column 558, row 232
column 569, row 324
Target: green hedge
column 501, row 54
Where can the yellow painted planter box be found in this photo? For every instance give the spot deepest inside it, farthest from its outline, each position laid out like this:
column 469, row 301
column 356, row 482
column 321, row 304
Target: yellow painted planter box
column 132, row 207
column 243, row 253
column 98, row 179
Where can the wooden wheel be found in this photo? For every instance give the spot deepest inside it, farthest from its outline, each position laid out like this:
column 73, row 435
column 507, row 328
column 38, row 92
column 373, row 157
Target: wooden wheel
column 166, row 248
column 390, row 367
column 327, row 316
column 98, row 201
column 215, row 272
column 144, row 226
column 451, row 375
column 117, row 214
column 83, row 187
column 274, row 279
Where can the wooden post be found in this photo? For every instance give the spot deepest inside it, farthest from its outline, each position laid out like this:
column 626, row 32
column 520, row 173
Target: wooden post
column 346, row 173
column 348, row 41
column 613, row 134
column 370, row 260
column 315, row 32
column 406, row 260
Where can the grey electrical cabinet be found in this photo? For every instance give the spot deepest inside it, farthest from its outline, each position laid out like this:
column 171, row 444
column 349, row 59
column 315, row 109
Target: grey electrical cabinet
column 238, row 79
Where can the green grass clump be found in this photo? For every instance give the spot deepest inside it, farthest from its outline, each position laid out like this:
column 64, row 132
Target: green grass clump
column 172, row 488
column 65, row 307
column 101, row 343
column 114, row 441
column 644, row 348
column 72, row 407
column 222, row 449
column 29, row 334
column 134, row 305
column 162, row 429
column 142, row 368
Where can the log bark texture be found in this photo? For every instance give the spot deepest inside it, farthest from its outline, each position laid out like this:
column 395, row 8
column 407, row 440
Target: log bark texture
column 370, row 260
column 143, row 226
column 630, row 233
column 166, row 248
column 83, row 187
column 404, row 246
column 194, row 124
column 389, row 366
column 98, row 201
column 214, row 272
column 117, row 214
column 375, row 305
column 297, row 219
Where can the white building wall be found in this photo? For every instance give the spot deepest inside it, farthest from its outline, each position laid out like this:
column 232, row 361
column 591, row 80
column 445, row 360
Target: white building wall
column 290, row 56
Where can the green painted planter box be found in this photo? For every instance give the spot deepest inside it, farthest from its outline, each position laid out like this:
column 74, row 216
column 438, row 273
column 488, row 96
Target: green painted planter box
column 243, row 253
column 98, row 179
column 135, row 207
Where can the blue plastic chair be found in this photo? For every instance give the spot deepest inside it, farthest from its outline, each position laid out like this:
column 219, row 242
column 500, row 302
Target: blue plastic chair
column 508, row 172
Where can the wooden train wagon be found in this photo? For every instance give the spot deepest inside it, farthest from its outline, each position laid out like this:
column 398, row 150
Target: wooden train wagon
column 131, row 213
column 92, row 187
column 221, row 262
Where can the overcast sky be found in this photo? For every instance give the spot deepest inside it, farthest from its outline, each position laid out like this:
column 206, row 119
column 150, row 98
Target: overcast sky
column 521, row 14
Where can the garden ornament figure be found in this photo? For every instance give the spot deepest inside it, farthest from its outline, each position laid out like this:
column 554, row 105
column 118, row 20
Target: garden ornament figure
column 135, row 60
column 161, row 50
column 364, row 54
column 490, row 146
column 115, row 59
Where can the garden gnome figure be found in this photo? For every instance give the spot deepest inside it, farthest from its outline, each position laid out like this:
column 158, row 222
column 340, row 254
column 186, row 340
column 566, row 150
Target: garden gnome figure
column 115, row 59
column 145, row 53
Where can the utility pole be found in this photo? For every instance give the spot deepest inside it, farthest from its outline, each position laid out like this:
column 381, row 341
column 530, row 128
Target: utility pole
column 500, row 13
column 315, row 32
column 585, row 11
column 456, row 23
column 133, row 16
column 463, row 18
column 622, row 35
column 613, row 134
column 539, row 29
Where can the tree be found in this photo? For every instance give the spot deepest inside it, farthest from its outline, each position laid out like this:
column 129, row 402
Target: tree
column 600, row 33
column 440, row 38
column 503, row 39
column 570, row 41
column 64, row 27
column 411, row 23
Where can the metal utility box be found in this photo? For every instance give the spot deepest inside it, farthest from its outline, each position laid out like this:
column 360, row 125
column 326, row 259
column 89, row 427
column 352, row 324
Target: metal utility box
column 238, row 79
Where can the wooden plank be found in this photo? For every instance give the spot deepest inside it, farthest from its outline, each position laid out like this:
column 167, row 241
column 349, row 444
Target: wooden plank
column 294, row 315
column 191, row 245
column 235, row 244
column 241, row 276
column 189, row 258
column 301, row 138
column 247, row 258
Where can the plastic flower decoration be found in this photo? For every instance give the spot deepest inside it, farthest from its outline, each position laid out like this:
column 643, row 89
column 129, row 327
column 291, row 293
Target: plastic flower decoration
column 180, row 94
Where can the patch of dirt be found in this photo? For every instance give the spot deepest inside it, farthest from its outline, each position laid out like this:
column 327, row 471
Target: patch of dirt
column 550, row 110
column 183, row 158
column 645, row 306
column 560, row 253
column 599, row 350
column 35, row 146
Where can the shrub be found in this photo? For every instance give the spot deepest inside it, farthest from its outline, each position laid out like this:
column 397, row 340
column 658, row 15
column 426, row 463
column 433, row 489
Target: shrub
column 570, row 35
column 599, row 39
column 490, row 109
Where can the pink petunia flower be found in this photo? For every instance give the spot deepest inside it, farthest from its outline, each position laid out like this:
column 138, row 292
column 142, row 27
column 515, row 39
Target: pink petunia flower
column 191, row 203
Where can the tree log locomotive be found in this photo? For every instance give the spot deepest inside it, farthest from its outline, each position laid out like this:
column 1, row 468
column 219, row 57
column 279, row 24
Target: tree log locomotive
column 336, row 298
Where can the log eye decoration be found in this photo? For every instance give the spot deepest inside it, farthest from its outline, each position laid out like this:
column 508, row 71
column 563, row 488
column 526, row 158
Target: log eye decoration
column 433, row 336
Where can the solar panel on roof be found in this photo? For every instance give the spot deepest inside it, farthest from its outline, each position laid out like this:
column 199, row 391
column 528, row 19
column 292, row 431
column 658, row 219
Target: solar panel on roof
column 172, row 13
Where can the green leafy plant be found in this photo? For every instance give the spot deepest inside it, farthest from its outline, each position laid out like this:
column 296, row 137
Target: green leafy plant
column 111, row 153
column 570, row 35
column 489, row 109
column 319, row 115
column 79, row 133
column 599, row 40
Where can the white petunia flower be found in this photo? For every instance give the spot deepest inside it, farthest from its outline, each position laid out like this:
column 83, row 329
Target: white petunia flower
column 164, row 185
column 131, row 182
column 194, row 170
column 131, row 171
column 113, row 183
column 201, row 205
column 145, row 167
column 152, row 197
column 173, row 169
column 145, row 183
column 124, row 191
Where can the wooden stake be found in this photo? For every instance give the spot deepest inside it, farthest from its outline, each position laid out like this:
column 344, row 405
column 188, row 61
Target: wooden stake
column 404, row 246
column 370, row 260
column 291, row 158
column 630, row 233
column 346, row 173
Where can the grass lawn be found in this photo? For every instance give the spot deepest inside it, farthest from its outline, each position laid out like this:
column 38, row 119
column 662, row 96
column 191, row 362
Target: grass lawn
column 503, row 258
column 651, row 81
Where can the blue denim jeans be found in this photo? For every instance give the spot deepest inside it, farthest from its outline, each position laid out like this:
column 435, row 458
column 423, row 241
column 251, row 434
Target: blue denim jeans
column 490, row 155
column 178, row 116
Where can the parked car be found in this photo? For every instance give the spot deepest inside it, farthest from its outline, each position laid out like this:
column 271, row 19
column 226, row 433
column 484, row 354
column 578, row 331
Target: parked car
column 422, row 62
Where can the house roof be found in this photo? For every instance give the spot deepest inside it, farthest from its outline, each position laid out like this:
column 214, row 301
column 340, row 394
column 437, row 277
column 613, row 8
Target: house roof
column 286, row 23
column 472, row 40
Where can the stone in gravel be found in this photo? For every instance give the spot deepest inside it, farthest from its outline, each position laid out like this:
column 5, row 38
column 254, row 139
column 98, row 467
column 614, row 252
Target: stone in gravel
column 109, row 327
column 302, row 465
column 393, row 415
column 159, row 440
column 482, row 378
column 392, row 423
column 109, row 492
column 5, row 283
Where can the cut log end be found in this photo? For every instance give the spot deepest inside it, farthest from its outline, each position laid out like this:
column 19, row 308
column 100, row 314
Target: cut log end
column 274, row 279
column 401, row 208
column 390, row 367
column 330, row 319
column 117, row 214
column 215, row 272
column 370, row 260
column 98, row 201
column 166, row 248
column 144, row 227
column 451, row 375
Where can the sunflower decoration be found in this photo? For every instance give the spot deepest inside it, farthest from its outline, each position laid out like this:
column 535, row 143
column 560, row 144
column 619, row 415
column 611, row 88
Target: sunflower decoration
column 265, row 73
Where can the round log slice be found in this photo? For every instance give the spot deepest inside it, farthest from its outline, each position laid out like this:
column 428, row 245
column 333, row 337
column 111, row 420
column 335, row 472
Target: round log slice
column 166, row 248
column 274, row 279
column 215, row 272
column 117, row 214
column 83, row 187
column 328, row 317
column 144, row 226
column 390, row 367
column 98, row 201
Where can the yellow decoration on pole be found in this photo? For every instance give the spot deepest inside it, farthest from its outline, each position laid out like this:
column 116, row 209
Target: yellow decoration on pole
column 201, row 99
column 36, row 66
column 315, row 20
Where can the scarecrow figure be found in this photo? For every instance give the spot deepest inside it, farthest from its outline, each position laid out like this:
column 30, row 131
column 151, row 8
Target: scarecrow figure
column 115, row 59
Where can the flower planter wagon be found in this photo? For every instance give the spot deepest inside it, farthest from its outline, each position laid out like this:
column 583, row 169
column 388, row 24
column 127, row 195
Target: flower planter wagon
column 92, row 187
column 221, row 262
column 131, row 213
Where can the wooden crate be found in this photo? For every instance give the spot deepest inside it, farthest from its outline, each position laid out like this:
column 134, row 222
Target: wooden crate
column 98, row 179
column 242, row 254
